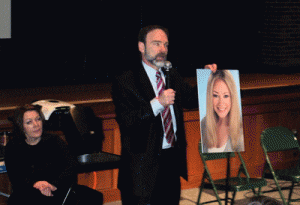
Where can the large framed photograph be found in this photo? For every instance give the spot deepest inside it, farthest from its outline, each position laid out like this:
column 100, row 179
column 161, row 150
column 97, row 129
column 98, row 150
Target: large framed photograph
column 220, row 111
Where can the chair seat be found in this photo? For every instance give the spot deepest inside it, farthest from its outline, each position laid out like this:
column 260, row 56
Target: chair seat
column 237, row 184
column 289, row 174
column 98, row 161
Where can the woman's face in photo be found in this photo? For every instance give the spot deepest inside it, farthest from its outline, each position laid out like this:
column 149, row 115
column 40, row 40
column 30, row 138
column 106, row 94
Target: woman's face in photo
column 221, row 98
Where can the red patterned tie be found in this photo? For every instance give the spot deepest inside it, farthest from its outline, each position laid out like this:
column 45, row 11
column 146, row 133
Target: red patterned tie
column 166, row 115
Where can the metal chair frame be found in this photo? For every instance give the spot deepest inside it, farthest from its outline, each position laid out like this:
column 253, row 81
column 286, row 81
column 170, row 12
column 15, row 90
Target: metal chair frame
column 280, row 139
column 228, row 184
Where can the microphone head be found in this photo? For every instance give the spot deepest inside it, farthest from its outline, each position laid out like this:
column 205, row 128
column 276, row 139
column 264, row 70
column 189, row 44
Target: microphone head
column 168, row 65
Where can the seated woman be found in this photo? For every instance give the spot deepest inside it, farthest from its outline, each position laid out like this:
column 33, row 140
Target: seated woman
column 221, row 128
column 39, row 165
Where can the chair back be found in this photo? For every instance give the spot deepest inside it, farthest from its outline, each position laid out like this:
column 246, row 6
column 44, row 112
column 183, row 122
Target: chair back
column 278, row 139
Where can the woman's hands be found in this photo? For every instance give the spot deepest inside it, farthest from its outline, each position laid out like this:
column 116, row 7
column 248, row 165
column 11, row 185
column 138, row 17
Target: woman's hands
column 45, row 188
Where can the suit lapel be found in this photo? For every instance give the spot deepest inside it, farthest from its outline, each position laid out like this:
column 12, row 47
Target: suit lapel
column 144, row 85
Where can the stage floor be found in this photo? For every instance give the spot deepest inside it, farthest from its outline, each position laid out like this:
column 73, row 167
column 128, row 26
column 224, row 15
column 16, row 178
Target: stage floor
column 190, row 196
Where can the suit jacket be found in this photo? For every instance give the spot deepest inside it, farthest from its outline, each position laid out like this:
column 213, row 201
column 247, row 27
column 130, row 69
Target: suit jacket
column 142, row 132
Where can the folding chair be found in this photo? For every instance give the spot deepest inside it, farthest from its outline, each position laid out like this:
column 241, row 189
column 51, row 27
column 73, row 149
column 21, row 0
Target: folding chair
column 280, row 139
column 229, row 184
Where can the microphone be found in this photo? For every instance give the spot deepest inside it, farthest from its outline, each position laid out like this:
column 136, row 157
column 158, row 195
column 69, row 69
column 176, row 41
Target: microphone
column 167, row 66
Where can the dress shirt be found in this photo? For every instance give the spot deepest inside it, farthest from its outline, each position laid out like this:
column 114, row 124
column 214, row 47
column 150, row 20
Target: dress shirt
column 156, row 106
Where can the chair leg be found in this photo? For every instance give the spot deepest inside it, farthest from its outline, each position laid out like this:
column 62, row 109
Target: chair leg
column 233, row 197
column 291, row 192
column 254, row 192
column 258, row 192
column 217, row 195
column 280, row 192
column 199, row 195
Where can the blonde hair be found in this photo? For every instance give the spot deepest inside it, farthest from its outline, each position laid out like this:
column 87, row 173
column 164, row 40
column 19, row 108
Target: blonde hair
column 235, row 118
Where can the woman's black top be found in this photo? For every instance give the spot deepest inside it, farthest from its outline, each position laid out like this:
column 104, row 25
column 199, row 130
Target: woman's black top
column 49, row 161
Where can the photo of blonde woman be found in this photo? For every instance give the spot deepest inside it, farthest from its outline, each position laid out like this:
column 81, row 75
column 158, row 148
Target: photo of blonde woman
column 220, row 111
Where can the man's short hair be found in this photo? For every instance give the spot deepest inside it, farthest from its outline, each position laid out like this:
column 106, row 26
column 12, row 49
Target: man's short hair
column 144, row 32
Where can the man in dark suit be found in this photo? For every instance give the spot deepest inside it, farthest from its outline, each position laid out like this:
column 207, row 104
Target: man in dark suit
column 152, row 161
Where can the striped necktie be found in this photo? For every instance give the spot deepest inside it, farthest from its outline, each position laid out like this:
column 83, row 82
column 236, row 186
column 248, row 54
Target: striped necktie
column 166, row 114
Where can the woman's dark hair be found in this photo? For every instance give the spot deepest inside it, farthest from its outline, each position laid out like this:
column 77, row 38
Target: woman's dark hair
column 264, row 200
column 17, row 119
column 144, row 32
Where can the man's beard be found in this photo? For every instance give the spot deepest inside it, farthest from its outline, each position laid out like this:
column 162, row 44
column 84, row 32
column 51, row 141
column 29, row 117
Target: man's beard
column 155, row 62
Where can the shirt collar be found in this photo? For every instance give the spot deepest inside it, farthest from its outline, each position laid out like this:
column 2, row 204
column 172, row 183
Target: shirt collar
column 151, row 71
